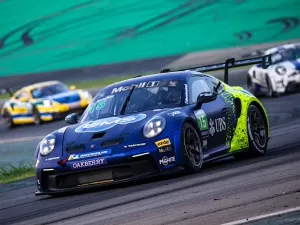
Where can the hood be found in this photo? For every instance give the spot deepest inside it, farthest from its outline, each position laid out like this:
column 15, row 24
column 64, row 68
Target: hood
column 65, row 97
column 107, row 133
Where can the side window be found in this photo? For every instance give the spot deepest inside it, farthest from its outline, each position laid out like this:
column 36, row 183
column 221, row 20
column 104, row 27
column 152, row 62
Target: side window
column 197, row 85
column 22, row 95
column 213, row 82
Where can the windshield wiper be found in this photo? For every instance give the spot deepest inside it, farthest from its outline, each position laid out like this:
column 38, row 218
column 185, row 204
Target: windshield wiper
column 126, row 101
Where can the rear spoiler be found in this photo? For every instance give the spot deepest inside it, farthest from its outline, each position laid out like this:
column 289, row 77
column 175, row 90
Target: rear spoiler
column 7, row 91
column 229, row 63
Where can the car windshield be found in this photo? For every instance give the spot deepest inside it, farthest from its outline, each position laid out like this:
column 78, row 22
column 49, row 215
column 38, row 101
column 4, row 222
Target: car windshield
column 148, row 95
column 284, row 55
column 49, row 90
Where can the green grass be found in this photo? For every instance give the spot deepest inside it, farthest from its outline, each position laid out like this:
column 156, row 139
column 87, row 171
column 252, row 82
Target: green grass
column 11, row 173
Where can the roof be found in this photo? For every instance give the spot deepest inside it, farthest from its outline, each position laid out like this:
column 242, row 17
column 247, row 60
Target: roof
column 156, row 77
column 41, row 84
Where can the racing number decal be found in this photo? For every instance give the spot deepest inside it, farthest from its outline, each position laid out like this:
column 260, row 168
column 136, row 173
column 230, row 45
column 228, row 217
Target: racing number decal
column 201, row 119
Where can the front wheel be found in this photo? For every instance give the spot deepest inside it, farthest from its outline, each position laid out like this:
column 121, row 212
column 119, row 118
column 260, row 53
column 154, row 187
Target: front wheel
column 191, row 148
column 36, row 116
column 257, row 133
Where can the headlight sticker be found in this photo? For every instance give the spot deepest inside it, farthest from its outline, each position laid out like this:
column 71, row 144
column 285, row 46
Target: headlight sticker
column 163, row 143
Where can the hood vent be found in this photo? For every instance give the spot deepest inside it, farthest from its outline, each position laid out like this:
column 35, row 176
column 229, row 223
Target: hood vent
column 98, row 135
column 112, row 142
column 74, row 148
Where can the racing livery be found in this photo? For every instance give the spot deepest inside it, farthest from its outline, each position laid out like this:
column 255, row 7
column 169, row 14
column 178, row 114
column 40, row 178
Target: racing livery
column 41, row 102
column 281, row 77
column 150, row 125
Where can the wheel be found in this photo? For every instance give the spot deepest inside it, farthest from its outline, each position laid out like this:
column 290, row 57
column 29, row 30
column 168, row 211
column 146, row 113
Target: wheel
column 36, row 116
column 191, row 148
column 270, row 92
column 257, row 134
column 251, row 85
column 8, row 120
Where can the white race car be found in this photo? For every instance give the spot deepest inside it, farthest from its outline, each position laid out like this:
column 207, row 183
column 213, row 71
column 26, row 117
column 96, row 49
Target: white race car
column 281, row 77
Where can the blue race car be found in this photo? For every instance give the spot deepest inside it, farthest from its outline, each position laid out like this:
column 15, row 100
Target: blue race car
column 153, row 124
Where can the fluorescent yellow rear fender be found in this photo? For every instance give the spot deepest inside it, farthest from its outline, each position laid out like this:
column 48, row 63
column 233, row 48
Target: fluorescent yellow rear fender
column 240, row 136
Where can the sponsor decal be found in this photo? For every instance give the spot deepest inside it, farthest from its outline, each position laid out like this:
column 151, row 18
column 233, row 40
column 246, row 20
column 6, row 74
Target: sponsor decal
column 174, row 113
column 89, row 154
column 134, row 145
column 186, row 94
column 165, row 149
column 201, row 119
column 217, row 125
column 37, row 163
column 204, row 143
column 89, row 163
column 140, row 85
column 205, row 133
column 163, row 143
column 52, row 158
column 166, row 160
column 107, row 123
column 100, row 104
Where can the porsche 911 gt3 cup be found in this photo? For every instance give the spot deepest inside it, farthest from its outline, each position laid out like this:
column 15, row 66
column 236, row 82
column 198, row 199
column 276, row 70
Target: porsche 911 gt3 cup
column 281, row 77
column 151, row 125
column 41, row 102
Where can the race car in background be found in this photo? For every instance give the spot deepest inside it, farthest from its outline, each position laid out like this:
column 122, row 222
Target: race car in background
column 42, row 102
column 281, row 77
column 150, row 125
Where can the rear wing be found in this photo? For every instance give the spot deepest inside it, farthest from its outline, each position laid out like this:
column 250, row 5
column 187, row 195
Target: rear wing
column 229, row 63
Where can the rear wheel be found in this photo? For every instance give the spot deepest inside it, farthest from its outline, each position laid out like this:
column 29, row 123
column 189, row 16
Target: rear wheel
column 191, row 148
column 257, row 134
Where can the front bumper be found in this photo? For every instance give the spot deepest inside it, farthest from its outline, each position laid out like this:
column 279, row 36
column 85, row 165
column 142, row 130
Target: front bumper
column 135, row 164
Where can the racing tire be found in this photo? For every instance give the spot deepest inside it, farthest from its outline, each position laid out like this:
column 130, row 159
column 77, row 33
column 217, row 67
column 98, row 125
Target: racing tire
column 36, row 116
column 191, row 148
column 250, row 86
column 257, row 132
column 271, row 92
column 8, row 120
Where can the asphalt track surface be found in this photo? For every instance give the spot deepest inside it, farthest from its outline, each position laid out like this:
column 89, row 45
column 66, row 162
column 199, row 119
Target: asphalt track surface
column 222, row 192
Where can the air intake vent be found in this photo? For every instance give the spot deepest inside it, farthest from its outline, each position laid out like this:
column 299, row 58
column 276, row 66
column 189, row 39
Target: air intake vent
column 98, row 135
column 75, row 148
column 112, row 142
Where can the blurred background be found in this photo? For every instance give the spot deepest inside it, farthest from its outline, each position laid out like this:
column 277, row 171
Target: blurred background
column 90, row 44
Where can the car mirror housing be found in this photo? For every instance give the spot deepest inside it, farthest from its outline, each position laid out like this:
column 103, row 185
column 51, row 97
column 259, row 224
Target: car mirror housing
column 72, row 118
column 205, row 97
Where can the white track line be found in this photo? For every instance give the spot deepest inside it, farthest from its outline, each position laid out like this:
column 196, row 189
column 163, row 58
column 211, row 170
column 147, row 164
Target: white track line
column 16, row 140
column 255, row 218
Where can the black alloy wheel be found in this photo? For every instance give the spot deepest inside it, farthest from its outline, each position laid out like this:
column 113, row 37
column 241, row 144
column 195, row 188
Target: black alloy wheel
column 192, row 149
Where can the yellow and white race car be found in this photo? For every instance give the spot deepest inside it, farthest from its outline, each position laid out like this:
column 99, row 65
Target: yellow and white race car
column 42, row 102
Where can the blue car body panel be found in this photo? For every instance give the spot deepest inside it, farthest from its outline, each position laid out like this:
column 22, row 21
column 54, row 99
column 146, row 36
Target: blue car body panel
column 119, row 141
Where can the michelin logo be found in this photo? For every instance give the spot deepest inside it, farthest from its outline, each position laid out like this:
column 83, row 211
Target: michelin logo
column 89, row 154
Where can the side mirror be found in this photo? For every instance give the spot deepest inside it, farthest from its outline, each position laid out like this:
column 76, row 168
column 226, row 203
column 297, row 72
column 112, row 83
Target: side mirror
column 23, row 99
column 205, row 97
column 72, row 87
column 72, row 118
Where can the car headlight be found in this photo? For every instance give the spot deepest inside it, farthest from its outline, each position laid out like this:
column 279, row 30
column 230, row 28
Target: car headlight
column 154, row 127
column 280, row 70
column 47, row 103
column 47, row 145
column 86, row 94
